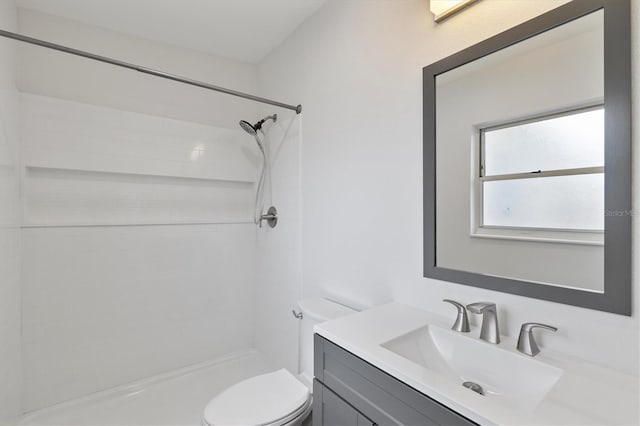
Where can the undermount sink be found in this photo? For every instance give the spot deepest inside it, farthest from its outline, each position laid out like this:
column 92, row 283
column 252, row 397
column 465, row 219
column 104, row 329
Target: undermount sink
column 504, row 375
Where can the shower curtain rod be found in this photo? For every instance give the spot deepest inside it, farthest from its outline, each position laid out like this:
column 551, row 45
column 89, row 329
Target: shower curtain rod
column 144, row 70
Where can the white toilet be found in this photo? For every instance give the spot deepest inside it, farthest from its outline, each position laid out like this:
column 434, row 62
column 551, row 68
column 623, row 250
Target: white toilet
column 278, row 398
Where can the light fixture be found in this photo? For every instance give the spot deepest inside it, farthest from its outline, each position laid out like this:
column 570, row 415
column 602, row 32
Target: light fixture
column 442, row 9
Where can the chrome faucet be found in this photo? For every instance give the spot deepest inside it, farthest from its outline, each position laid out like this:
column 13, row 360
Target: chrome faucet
column 489, row 330
column 462, row 320
column 526, row 342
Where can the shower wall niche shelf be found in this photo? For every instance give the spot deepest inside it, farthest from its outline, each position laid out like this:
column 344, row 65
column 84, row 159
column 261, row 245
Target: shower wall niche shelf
column 133, row 225
column 56, row 197
column 61, row 134
column 88, row 165
column 140, row 176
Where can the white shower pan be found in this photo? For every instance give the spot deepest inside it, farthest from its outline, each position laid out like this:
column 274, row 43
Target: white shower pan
column 174, row 398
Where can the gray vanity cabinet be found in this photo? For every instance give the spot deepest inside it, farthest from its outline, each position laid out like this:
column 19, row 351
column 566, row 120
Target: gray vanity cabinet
column 348, row 391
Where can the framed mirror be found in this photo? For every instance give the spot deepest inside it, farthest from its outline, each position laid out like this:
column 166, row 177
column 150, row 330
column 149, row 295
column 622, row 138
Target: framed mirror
column 527, row 159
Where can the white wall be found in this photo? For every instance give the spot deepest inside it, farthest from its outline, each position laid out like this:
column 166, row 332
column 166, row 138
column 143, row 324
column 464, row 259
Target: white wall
column 10, row 381
column 356, row 67
column 106, row 306
column 118, row 281
column 277, row 287
column 52, row 73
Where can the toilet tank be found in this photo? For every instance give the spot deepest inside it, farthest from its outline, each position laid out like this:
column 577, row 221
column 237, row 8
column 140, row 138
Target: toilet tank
column 315, row 311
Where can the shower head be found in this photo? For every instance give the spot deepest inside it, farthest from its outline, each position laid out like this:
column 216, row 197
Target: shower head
column 253, row 129
column 247, row 127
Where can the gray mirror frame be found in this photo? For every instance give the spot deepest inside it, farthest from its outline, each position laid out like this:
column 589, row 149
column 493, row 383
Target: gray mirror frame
column 616, row 297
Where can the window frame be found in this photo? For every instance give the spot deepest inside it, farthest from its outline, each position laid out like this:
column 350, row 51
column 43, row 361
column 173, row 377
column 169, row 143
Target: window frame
column 528, row 233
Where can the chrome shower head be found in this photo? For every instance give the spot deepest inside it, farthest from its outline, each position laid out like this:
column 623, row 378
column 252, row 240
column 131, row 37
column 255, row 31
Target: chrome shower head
column 247, row 127
column 253, row 129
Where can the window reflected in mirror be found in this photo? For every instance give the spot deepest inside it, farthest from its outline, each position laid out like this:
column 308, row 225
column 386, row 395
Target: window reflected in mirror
column 545, row 173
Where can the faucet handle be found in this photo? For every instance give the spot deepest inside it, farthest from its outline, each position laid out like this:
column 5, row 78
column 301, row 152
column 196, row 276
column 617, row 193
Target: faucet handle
column 526, row 342
column 528, row 326
column 462, row 320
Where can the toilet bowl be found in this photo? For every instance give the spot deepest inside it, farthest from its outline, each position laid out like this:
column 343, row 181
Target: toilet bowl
column 278, row 398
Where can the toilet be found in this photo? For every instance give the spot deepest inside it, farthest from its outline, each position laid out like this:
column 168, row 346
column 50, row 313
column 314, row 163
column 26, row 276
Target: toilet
column 278, row 398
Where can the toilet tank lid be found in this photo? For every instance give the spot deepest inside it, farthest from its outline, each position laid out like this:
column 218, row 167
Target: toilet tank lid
column 323, row 309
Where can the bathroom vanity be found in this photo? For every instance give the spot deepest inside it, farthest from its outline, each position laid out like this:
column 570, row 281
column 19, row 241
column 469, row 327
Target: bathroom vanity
column 397, row 365
column 350, row 391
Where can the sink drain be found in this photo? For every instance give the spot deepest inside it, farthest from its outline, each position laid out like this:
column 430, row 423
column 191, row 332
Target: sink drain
column 474, row 387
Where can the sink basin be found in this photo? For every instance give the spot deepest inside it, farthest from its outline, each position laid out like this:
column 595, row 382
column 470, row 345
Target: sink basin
column 505, row 375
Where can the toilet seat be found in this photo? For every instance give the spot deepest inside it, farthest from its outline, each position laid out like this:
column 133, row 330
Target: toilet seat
column 272, row 399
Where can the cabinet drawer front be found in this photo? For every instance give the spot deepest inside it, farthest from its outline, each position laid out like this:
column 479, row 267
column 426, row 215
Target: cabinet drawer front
column 376, row 394
column 331, row 410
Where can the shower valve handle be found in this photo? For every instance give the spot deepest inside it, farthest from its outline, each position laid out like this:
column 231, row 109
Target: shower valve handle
column 271, row 217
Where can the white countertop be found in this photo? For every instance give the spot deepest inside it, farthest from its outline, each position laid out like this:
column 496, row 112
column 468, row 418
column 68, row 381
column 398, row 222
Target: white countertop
column 586, row 394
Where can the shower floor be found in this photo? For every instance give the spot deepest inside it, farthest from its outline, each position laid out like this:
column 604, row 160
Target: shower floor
column 176, row 398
